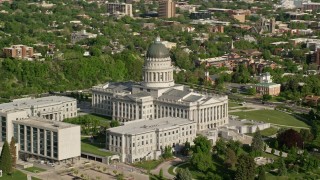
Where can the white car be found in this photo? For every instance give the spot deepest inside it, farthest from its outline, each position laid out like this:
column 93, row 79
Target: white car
column 51, row 164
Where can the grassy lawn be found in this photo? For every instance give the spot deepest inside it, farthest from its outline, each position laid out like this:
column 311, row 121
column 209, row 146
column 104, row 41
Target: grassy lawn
column 17, row 175
column 232, row 104
column 269, row 131
column 267, row 155
column 271, row 116
column 101, row 118
column 35, row 169
column 93, row 148
column 308, row 175
column 170, row 170
column 241, row 108
column 149, row 165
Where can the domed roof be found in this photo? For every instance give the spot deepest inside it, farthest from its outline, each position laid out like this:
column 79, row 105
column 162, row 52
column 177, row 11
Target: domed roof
column 157, row 50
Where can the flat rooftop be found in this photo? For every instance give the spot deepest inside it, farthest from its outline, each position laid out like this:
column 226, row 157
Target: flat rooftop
column 44, row 123
column 143, row 126
column 25, row 103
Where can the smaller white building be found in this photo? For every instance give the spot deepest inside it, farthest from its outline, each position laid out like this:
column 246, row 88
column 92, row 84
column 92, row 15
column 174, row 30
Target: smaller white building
column 247, row 126
column 45, row 139
column 146, row 139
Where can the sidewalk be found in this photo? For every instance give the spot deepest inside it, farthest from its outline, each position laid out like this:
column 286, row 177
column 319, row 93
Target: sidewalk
column 165, row 167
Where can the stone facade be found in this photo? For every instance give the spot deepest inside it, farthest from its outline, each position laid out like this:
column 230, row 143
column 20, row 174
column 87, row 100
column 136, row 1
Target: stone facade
column 157, row 96
column 147, row 139
column 46, row 139
column 35, row 124
column 55, row 108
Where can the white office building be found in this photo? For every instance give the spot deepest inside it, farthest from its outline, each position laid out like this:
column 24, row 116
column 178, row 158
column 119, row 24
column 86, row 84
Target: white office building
column 45, row 139
column 119, row 9
column 146, row 139
column 157, row 96
column 33, row 115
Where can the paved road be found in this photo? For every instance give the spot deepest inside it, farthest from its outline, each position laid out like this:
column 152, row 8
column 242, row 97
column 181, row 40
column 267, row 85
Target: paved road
column 165, row 167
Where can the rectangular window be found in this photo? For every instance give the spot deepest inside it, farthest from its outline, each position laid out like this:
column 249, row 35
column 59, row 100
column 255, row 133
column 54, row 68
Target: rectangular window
column 55, row 145
column 3, row 128
column 42, row 142
column 15, row 132
column 35, row 140
column 48, row 137
column 21, row 138
column 29, row 138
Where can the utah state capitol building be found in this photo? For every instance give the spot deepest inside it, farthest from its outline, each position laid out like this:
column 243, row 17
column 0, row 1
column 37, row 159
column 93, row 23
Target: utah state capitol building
column 157, row 96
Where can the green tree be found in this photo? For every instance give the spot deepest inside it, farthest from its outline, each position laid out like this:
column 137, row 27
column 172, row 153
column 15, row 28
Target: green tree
column 13, row 152
column 266, row 97
column 262, row 174
column 245, row 168
column 201, row 157
column 257, row 142
column 183, row 174
column 282, row 170
column 6, row 159
column 212, row 176
column 201, row 144
column 221, row 147
column 161, row 174
column 306, row 135
column 167, row 152
column 230, row 159
column 266, row 54
column 251, row 91
column 202, row 161
column 114, row 123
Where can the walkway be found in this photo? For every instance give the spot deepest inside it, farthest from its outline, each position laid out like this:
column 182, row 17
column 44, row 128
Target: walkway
column 165, row 168
column 289, row 126
column 250, row 106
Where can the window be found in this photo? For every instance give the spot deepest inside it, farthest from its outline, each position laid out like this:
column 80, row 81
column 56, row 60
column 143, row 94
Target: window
column 15, row 132
column 35, row 140
column 55, row 144
column 29, row 138
column 41, row 142
column 3, row 128
column 22, row 147
column 48, row 137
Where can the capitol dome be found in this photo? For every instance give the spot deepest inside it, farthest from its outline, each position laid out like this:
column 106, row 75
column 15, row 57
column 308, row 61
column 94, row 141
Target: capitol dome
column 157, row 50
column 157, row 69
